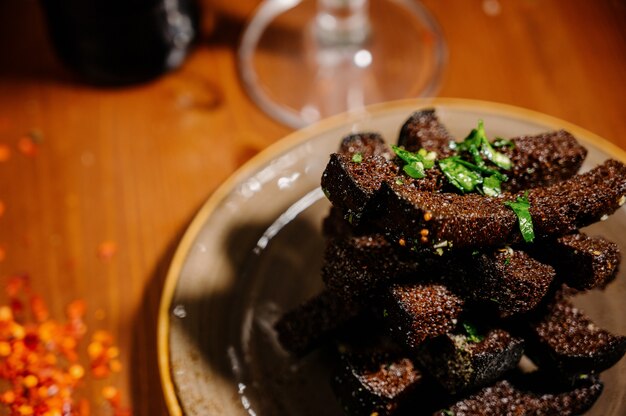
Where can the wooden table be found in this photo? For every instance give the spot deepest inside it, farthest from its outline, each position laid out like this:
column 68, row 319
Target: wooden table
column 131, row 166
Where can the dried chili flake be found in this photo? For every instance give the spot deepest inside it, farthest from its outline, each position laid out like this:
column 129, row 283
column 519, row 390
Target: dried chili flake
column 7, row 397
column 94, row 350
column 39, row 357
column 5, row 349
column 115, row 366
column 77, row 371
column 106, row 250
column 5, row 152
column 15, row 285
column 76, row 309
column 110, row 393
column 103, row 354
column 100, row 371
column 39, row 308
column 27, row 146
column 31, row 341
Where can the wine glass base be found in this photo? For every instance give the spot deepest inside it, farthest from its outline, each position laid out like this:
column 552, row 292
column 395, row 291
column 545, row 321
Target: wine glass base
column 298, row 79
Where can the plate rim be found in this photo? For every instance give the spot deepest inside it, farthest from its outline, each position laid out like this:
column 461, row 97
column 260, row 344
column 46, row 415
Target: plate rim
column 292, row 140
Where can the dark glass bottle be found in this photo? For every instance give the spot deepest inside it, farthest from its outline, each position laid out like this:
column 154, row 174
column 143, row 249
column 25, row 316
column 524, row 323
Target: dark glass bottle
column 119, row 42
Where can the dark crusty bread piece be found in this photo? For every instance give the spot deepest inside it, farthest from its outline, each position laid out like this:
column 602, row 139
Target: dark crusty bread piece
column 313, row 322
column 353, row 181
column 509, row 281
column 582, row 262
column 365, row 143
column 351, row 185
column 359, row 259
column 538, row 160
column 423, row 130
column 358, row 266
column 526, row 396
column 410, row 205
column 419, row 311
column 460, row 363
column 512, row 280
column 376, row 382
column 564, row 340
column 542, row 159
column 472, row 220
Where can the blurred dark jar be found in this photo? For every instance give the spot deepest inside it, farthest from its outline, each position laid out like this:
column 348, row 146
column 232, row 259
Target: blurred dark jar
column 119, row 42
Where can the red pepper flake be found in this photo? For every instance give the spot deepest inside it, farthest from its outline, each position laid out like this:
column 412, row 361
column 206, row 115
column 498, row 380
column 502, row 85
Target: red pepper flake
column 39, row 357
column 6, row 314
column 31, row 341
column 27, row 146
column 7, row 397
column 77, row 371
column 5, row 152
column 106, row 250
column 76, row 310
column 110, row 393
column 103, row 355
column 2, row 208
column 39, row 308
column 15, row 286
column 5, row 349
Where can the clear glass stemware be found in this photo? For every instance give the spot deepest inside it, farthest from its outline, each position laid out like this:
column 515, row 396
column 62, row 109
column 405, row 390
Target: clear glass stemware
column 303, row 60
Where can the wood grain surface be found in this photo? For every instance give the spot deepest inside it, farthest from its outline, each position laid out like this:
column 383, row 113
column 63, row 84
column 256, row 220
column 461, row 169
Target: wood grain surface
column 130, row 166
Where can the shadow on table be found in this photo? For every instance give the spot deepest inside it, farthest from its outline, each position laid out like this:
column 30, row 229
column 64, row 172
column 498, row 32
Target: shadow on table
column 144, row 374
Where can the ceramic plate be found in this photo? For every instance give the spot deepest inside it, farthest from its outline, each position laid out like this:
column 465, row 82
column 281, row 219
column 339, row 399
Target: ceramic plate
column 254, row 251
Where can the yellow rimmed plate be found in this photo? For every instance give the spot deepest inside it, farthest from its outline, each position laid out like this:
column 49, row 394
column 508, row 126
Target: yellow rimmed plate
column 254, row 251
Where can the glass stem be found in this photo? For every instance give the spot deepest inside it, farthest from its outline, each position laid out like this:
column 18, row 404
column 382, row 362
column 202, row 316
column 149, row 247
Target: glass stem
column 342, row 22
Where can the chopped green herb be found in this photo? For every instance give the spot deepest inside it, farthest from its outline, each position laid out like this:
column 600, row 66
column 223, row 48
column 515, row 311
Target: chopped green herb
column 416, row 163
column 326, row 193
column 502, row 142
column 494, row 300
column 460, row 175
column 472, row 333
column 475, row 252
column 477, row 145
column 468, row 177
column 447, row 412
column 583, row 376
column 399, row 181
column 507, row 261
column 499, row 159
column 429, row 158
column 521, row 207
column 491, row 186
column 481, row 169
column 385, row 313
column 415, row 170
column 357, row 157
